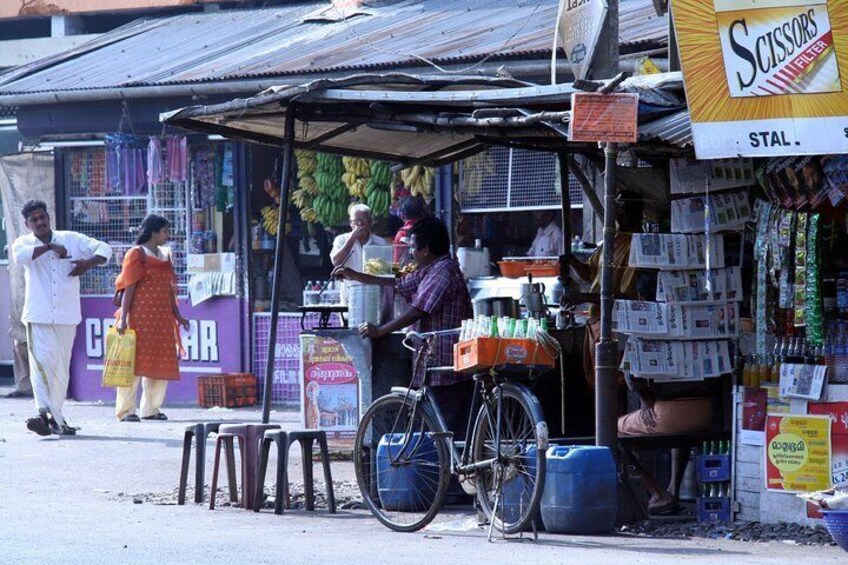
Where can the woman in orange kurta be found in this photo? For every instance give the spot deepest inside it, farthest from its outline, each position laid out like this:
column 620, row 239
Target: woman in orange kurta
column 149, row 307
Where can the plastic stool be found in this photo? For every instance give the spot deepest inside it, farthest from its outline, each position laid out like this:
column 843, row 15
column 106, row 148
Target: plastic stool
column 283, row 440
column 199, row 432
column 249, row 436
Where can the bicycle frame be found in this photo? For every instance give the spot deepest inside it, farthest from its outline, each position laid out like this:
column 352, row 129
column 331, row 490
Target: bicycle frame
column 459, row 460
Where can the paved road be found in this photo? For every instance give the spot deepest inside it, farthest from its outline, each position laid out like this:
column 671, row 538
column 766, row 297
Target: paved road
column 70, row 500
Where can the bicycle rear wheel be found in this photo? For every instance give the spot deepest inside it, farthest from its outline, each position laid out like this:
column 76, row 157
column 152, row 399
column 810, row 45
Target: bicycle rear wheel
column 401, row 463
column 510, row 490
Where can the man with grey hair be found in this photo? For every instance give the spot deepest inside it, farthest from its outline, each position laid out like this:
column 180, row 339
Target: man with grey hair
column 347, row 247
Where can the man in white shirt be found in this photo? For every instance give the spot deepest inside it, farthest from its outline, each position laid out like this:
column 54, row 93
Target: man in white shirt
column 53, row 262
column 347, row 247
column 548, row 242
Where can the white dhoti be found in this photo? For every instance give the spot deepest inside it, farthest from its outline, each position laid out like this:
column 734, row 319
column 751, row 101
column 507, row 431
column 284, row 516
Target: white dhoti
column 50, row 347
column 152, row 397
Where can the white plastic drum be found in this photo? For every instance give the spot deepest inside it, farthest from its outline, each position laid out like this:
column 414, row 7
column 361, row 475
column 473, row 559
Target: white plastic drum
column 363, row 305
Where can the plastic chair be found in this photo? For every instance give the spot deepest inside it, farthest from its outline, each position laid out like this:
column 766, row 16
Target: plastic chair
column 249, row 436
column 199, row 432
column 283, row 441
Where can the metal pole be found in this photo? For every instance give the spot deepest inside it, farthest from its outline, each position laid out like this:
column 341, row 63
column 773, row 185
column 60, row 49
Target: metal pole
column 285, row 189
column 564, row 273
column 606, row 351
column 562, row 157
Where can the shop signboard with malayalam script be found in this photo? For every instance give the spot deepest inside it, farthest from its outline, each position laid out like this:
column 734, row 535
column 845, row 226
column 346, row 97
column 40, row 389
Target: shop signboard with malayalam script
column 580, row 27
column 798, row 453
column 334, row 366
column 765, row 78
column 610, row 118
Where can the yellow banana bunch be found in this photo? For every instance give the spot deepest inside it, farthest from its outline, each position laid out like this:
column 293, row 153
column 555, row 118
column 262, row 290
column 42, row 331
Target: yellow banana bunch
column 356, row 175
column 419, row 180
column 309, row 185
column 270, row 219
column 307, row 163
column 308, row 215
column 303, row 197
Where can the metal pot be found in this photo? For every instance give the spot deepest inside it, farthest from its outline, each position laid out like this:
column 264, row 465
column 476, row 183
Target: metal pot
column 497, row 306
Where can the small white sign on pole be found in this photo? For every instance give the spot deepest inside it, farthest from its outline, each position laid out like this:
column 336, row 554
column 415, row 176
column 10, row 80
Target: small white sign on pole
column 579, row 30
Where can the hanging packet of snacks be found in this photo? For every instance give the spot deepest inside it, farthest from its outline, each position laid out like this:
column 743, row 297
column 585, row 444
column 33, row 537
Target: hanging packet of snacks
column 814, row 305
column 784, row 241
column 764, row 213
column 801, row 271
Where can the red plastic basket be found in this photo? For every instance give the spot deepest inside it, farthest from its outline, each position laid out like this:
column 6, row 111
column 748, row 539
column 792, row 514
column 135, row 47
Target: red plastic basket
column 485, row 352
column 226, row 391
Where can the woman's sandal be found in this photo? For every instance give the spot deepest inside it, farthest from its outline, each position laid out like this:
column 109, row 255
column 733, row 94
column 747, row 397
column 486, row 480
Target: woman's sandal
column 157, row 416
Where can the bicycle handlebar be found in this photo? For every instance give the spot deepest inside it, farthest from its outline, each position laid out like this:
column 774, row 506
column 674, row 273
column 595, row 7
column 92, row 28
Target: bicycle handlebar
column 425, row 336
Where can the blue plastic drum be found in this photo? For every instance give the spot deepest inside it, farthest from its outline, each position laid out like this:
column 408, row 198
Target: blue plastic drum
column 581, row 490
column 407, row 472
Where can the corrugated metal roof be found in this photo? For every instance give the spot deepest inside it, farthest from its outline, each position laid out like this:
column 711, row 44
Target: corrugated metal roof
column 674, row 129
column 399, row 117
column 280, row 41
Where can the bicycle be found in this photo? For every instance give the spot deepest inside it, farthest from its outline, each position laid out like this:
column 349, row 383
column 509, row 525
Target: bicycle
column 405, row 456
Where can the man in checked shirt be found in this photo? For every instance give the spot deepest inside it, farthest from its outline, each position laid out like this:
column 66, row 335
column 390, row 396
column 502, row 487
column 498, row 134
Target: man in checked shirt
column 438, row 300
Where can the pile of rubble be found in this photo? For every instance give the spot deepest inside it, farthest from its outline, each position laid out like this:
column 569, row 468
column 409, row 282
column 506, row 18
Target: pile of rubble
column 795, row 534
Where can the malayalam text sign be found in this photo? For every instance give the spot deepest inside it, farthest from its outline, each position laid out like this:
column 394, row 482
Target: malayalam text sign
column 765, row 78
column 797, row 453
column 604, row 117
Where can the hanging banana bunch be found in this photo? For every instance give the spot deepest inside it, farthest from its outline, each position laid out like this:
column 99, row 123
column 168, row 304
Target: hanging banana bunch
column 331, row 202
column 420, row 180
column 270, row 219
column 356, row 176
column 304, row 195
column 378, row 193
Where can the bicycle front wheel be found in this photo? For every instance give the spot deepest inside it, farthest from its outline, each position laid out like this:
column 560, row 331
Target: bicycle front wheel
column 512, row 435
column 401, row 463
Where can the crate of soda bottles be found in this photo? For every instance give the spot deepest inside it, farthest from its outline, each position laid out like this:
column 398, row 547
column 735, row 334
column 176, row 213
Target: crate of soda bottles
column 507, row 343
column 713, row 469
column 713, row 509
column 713, row 465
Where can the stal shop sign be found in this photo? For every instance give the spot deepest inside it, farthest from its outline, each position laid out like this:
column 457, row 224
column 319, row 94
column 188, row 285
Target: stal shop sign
column 779, row 90
column 200, row 342
column 579, row 29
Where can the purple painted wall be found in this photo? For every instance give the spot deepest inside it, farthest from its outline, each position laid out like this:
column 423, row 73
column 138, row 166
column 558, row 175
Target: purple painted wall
column 213, row 346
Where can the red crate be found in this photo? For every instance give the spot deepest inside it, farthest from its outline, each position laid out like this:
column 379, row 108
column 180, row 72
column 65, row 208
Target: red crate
column 485, row 352
column 228, row 391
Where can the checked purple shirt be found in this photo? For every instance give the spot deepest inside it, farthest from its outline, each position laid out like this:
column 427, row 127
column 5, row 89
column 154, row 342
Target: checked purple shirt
column 439, row 290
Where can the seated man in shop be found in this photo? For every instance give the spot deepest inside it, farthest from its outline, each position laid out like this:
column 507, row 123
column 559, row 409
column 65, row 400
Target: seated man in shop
column 347, row 247
column 628, row 218
column 548, row 241
column 438, row 300
column 667, row 408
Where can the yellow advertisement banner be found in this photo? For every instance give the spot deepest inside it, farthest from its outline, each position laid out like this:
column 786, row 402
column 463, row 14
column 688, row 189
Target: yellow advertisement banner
column 765, row 77
column 798, row 453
